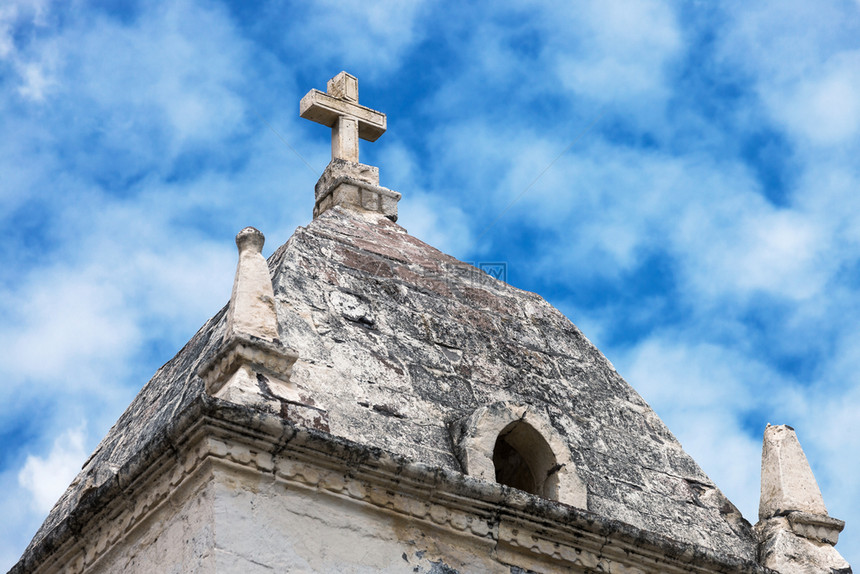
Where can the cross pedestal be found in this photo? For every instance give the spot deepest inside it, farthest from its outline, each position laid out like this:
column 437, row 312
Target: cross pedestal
column 345, row 181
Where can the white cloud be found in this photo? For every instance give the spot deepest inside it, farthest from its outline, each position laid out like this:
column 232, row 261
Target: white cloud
column 65, row 326
column 742, row 246
column 621, row 49
column 823, row 106
column 693, row 376
column 8, row 12
column 612, row 207
column 47, row 477
column 182, row 60
column 14, row 13
column 35, row 83
column 35, row 76
column 80, row 329
column 157, row 84
column 803, row 59
column 355, row 34
column 444, row 227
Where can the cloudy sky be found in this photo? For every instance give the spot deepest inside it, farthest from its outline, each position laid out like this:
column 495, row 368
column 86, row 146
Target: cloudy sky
column 679, row 178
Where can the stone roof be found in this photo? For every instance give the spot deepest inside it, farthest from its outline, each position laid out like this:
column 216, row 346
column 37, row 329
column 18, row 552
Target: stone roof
column 397, row 341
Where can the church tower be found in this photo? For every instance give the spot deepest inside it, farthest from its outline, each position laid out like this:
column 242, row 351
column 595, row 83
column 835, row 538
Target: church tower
column 366, row 403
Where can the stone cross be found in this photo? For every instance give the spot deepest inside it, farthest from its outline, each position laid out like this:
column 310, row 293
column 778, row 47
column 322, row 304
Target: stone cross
column 339, row 109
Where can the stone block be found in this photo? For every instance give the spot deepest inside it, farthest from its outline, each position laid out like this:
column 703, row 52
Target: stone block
column 369, row 200
column 339, row 169
column 354, row 186
column 785, row 551
column 346, row 195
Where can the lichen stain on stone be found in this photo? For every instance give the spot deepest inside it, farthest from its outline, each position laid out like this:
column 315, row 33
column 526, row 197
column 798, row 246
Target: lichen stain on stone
column 441, row 568
column 366, row 263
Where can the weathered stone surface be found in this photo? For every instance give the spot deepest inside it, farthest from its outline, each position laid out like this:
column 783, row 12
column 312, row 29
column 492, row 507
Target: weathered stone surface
column 816, row 527
column 338, row 169
column 248, row 356
column 784, row 551
column 787, row 482
column 397, row 341
column 346, row 182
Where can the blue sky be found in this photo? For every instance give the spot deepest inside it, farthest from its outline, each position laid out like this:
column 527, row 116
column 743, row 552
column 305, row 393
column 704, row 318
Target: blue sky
column 704, row 232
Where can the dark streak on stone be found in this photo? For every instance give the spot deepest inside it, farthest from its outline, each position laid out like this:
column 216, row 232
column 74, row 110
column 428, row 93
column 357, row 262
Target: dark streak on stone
column 388, row 411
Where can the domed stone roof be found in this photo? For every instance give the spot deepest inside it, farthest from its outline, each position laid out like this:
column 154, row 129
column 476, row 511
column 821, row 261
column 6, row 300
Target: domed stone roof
column 401, row 348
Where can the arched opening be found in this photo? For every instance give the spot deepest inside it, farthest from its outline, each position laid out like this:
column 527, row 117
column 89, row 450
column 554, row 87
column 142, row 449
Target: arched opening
column 516, row 445
column 511, row 468
column 524, row 460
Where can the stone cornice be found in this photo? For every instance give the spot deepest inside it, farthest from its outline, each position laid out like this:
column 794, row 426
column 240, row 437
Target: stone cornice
column 264, row 356
column 526, row 529
column 816, row 526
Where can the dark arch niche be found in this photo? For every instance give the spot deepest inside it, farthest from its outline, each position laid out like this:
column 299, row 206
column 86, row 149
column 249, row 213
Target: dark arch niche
column 515, row 445
column 523, row 460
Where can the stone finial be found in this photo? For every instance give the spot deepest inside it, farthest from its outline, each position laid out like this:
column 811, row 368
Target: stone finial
column 252, row 366
column 345, row 181
column 794, row 531
column 787, row 482
column 252, row 304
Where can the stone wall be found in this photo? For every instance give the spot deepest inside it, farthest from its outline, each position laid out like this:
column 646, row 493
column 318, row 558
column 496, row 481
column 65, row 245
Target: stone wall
column 263, row 525
column 178, row 537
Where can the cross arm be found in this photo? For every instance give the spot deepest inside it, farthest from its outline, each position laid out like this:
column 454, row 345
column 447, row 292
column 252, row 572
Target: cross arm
column 324, row 109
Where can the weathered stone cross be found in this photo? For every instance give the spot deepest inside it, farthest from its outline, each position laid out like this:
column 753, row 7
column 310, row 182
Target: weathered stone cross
column 339, row 109
column 346, row 183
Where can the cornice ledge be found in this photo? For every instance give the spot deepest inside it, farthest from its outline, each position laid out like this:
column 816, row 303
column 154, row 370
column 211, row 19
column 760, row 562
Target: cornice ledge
column 211, row 428
column 269, row 357
column 318, row 460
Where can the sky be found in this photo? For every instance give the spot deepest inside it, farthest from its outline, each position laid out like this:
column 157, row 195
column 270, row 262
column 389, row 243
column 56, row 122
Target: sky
column 679, row 178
